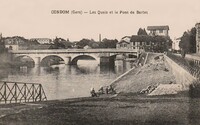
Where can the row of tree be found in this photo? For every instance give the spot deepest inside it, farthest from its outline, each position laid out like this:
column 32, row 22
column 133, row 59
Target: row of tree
column 105, row 43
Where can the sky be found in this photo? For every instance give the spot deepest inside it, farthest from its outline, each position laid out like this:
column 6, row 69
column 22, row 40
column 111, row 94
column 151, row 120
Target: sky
column 34, row 18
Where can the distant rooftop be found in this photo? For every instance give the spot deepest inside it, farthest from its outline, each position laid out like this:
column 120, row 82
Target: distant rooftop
column 158, row 28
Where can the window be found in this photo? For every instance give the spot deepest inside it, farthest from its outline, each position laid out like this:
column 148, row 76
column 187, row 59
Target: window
column 160, row 31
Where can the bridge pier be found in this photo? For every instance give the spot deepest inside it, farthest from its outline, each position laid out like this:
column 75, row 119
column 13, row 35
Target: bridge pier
column 104, row 61
column 67, row 60
column 107, row 61
column 37, row 60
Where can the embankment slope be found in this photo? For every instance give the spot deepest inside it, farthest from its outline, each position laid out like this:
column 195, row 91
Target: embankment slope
column 154, row 72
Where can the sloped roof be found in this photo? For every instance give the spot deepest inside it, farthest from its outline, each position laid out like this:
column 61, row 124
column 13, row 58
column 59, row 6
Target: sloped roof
column 126, row 37
column 158, row 27
column 123, row 41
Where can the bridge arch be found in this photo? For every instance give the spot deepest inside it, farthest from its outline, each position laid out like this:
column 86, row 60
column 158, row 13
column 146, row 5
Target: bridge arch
column 24, row 60
column 75, row 59
column 52, row 59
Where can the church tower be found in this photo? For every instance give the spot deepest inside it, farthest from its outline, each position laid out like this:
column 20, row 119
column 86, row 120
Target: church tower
column 197, row 26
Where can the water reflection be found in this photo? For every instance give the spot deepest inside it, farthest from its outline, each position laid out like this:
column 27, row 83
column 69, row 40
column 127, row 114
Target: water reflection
column 64, row 81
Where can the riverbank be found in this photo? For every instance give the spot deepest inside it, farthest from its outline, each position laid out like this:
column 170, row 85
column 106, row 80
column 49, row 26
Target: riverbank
column 153, row 74
column 127, row 108
column 105, row 111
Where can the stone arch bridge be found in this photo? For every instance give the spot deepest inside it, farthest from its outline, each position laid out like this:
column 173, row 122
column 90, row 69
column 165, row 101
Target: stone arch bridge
column 71, row 56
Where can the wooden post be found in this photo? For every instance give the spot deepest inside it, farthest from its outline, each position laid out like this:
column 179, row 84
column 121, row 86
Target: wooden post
column 5, row 98
column 25, row 92
column 40, row 94
column 33, row 93
column 15, row 85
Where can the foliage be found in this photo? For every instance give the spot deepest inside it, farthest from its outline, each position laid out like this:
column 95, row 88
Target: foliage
column 141, row 32
column 84, row 42
column 108, row 43
column 2, row 47
column 193, row 40
column 188, row 42
column 153, row 43
column 60, row 43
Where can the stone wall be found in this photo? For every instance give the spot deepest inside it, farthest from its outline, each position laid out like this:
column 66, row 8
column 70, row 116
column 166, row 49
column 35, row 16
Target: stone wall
column 182, row 77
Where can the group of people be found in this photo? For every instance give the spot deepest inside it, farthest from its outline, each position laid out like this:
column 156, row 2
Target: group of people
column 102, row 90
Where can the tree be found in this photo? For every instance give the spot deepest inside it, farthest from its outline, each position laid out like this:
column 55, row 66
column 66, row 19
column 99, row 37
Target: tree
column 158, row 43
column 141, row 32
column 184, row 44
column 58, row 44
column 188, row 42
column 193, row 40
column 108, row 43
column 84, row 42
column 2, row 46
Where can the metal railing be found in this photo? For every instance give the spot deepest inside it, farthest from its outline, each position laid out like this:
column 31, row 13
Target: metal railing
column 16, row 92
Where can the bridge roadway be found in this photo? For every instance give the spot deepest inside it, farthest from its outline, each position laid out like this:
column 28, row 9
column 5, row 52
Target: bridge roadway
column 71, row 56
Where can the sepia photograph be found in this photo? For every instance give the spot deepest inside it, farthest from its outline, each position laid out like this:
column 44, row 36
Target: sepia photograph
column 99, row 62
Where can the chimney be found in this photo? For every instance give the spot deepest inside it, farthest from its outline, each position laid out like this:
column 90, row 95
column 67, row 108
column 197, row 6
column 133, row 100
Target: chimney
column 99, row 37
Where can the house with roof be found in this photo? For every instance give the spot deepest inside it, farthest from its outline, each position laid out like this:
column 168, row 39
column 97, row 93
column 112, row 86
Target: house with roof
column 42, row 40
column 15, row 43
column 124, row 43
column 158, row 30
column 175, row 44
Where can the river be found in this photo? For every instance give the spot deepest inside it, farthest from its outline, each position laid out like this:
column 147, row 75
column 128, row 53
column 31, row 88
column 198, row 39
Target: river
column 67, row 81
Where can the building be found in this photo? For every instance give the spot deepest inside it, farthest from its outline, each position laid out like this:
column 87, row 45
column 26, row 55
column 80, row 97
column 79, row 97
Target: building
column 175, row 45
column 134, row 42
column 138, row 46
column 15, row 43
column 42, row 40
column 197, row 26
column 87, row 47
column 158, row 30
column 124, row 43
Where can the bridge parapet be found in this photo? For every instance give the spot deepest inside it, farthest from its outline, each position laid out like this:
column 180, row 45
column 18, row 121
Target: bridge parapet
column 72, row 51
column 68, row 55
